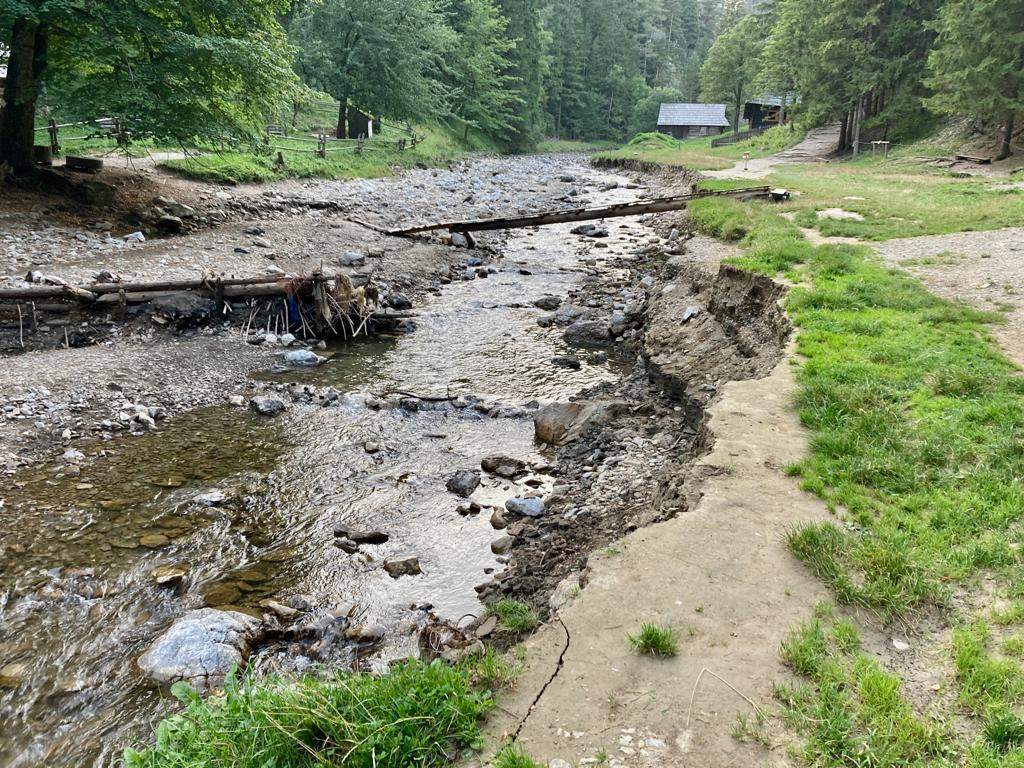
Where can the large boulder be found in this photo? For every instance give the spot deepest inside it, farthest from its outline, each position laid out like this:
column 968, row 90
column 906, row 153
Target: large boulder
column 561, row 423
column 201, row 648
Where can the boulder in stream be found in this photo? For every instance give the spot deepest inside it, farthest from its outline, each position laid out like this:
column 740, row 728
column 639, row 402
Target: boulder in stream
column 464, row 482
column 201, row 648
column 408, row 566
column 267, row 406
column 528, row 506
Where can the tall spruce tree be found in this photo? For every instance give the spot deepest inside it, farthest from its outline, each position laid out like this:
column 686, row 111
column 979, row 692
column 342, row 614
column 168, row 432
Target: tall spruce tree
column 731, row 66
column 977, row 65
column 528, row 66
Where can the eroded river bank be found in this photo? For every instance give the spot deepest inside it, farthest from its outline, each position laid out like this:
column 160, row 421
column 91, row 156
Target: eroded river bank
column 406, row 445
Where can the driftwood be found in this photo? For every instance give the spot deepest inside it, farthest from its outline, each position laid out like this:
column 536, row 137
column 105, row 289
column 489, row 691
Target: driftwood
column 657, row 205
column 265, row 285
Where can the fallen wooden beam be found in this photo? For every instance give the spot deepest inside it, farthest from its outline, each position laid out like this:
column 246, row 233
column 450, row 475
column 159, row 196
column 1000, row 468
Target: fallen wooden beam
column 975, row 159
column 234, row 286
column 657, row 205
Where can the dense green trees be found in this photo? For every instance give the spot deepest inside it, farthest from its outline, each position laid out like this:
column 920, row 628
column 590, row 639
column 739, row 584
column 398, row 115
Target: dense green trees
column 383, row 56
column 511, row 69
column 977, row 64
column 172, row 69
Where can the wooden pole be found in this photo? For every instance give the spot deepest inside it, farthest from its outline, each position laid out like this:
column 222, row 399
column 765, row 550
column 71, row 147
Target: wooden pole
column 658, row 205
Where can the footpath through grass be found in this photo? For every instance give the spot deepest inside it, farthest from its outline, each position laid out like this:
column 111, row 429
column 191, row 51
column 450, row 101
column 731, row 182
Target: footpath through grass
column 698, row 154
column 917, row 423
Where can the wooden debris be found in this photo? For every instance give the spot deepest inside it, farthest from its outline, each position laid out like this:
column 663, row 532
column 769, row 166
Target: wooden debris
column 974, row 159
column 657, row 205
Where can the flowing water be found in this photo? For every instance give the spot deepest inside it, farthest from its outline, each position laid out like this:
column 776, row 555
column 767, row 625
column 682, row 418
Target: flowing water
column 78, row 603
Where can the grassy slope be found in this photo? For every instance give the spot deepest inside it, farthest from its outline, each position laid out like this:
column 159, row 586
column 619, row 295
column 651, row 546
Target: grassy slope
column 379, row 157
column 698, row 154
column 916, row 420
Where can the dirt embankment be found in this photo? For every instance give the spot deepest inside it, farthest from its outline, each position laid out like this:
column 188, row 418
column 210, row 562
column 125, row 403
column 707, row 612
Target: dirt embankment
column 698, row 545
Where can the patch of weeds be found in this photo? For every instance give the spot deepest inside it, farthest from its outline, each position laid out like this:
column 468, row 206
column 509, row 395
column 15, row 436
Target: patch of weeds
column 1011, row 614
column 513, row 756
column 514, row 615
column 851, row 712
column 984, row 681
column 1014, row 646
column 656, row 640
column 602, row 756
column 751, row 729
column 1003, row 730
column 610, row 551
column 491, row 671
column 413, row 715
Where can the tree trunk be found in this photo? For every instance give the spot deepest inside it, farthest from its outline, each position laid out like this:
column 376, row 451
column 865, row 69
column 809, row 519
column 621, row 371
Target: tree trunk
column 844, row 133
column 857, row 120
column 1004, row 144
column 342, row 132
column 17, row 116
column 736, row 113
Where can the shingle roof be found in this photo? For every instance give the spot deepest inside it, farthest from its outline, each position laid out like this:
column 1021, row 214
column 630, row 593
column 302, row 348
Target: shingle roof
column 692, row 114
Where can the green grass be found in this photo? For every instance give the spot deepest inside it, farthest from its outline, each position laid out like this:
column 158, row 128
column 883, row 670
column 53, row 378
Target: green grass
column 914, row 413
column 379, row 158
column 698, row 154
column 655, row 640
column 514, row 616
column 851, row 712
column 513, row 756
column 896, row 199
column 915, row 420
column 414, row 715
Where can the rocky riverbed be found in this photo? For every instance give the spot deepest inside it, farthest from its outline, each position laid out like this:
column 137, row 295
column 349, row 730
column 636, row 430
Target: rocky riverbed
column 179, row 500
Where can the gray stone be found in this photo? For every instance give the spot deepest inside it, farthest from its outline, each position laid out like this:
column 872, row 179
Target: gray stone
column 528, row 506
column 168, row 576
column 408, row 566
column 201, row 648
column 560, row 423
column 464, row 482
column 352, row 259
column 503, row 466
column 303, row 357
column 210, row 499
column 502, row 545
column 548, row 303
column 267, row 406
column 588, row 332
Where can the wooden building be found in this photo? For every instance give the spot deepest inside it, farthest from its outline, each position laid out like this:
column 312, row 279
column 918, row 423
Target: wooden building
column 685, row 121
column 766, row 111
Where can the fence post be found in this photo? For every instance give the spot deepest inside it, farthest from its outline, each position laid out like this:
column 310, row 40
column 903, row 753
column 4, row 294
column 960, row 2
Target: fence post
column 401, row 145
column 52, row 129
column 359, row 145
column 321, row 146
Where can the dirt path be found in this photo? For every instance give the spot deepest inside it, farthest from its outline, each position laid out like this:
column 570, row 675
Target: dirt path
column 818, row 144
column 720, row 574
column 985, row 269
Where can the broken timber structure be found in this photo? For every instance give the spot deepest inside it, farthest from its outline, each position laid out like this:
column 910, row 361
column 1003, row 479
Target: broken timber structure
column 656, row 205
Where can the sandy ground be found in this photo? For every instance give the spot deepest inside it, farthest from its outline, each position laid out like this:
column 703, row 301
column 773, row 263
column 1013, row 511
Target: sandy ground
column 721, row 574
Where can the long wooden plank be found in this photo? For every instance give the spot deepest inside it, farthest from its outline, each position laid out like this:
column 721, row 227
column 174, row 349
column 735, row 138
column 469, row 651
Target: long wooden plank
column 656, row 205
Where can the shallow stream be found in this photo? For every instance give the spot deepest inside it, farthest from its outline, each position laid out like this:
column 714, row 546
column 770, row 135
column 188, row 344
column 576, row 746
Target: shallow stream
column 78, row 602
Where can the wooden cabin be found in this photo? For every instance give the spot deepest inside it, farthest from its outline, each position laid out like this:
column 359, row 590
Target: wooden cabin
column 687, row 121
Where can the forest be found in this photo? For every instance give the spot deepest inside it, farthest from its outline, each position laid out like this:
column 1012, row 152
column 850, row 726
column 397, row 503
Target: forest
column 513, row 71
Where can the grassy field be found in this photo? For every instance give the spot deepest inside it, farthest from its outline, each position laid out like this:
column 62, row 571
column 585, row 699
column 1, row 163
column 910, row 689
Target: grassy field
column 698, row 154
column 900, row 197
column 552, row 146
column 915, row 419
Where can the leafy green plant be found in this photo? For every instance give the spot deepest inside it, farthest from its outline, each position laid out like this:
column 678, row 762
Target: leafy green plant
column 656, row 640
